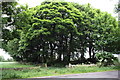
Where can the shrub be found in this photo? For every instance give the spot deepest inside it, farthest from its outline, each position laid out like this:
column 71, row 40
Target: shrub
column 10, row 60
column 2, row 59
column 105, row 58
column 117, row 64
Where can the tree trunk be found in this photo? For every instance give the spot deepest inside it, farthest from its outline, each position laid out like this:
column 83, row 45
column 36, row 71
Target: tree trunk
column 60, row 51
column 93, row 56
column 69, row 48
column 65, row 51
column 51, row 53
column 90, row 50
column 44, row 54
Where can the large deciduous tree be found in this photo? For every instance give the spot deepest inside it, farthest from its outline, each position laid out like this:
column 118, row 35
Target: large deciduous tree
column 60, row 32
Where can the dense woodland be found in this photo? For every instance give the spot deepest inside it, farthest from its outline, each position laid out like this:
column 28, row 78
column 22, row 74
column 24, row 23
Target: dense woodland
column 58, row 32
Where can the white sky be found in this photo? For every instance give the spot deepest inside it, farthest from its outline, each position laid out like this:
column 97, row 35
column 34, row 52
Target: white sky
column 103, row 5
column 4, row 54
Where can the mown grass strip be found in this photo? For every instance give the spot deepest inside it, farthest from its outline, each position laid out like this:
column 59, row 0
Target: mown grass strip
column 18, row 68
column 14, row 65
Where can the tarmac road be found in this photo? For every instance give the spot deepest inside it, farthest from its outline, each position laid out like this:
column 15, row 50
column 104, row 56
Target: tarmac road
column 108, row 75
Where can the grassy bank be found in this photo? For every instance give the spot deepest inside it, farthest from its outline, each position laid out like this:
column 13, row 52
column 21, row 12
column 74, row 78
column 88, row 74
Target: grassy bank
column 52, row 71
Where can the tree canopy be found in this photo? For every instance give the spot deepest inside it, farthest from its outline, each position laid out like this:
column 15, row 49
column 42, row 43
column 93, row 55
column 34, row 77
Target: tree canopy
column 61, row 32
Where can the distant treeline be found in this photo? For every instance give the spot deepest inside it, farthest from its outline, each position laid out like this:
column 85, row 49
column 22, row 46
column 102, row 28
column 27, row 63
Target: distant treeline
column 2, row 59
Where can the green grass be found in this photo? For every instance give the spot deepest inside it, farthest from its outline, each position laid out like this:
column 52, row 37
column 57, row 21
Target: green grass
column 53, row 71
column 13, row 65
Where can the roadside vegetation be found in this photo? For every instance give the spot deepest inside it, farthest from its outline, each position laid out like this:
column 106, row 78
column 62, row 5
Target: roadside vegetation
column 52, row 71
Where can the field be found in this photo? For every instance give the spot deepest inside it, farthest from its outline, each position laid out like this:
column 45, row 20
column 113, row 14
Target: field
column 49, row 71
column 13, row 65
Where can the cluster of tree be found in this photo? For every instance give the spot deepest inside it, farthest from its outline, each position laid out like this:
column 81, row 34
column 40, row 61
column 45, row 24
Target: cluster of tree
column 58, row 32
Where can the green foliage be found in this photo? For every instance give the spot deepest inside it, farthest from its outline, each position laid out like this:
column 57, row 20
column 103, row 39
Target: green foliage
column 10, row 74
column 9, row 60
column 2, row 59
column 9, row 27
column 47, row 32
column 12, row 48
column 105, row 58
column 117, row 7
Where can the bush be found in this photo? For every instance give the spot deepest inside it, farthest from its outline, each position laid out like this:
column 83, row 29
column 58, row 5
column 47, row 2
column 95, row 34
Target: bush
column 10, row 60
column 105, row 58
column 12, row 48
column 117, row 63
column 2, row 59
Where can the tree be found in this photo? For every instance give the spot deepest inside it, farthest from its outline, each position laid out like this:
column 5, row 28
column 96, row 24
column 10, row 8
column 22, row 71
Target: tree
column 113, row 46
column 12, row 47
column 9, row 28
column 50, row 31
column 97, row 28
column 59, row 32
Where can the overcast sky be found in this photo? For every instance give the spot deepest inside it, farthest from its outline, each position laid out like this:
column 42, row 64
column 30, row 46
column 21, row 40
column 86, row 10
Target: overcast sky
column 103, row 5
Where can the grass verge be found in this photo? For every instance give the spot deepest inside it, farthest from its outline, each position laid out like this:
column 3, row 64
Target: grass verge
column 53, row 71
